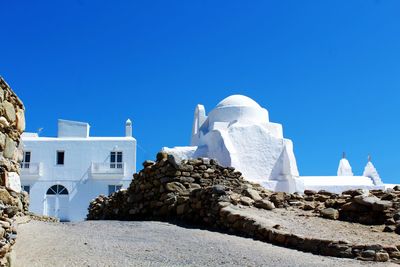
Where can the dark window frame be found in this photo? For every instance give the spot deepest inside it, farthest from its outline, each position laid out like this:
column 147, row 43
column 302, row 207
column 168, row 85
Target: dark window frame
column 26, row 160
column 116, row 159
column 57, row 189
column 60, row 158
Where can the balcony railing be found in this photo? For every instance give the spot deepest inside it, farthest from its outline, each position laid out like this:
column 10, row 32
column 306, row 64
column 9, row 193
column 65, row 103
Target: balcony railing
column 108, row 169
column 31, row 169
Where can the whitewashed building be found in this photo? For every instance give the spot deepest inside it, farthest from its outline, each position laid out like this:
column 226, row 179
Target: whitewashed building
column 63, row 174
column 238, row 133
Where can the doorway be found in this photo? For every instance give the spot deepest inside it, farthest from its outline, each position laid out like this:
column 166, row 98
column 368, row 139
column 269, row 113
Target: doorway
column 57, row 200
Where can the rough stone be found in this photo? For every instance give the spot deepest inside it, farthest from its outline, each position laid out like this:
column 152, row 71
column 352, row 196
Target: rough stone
column 264, row 204
column 253, row 194
column 219, row 189
column 5, row 197
column 246, row 201
column 2, row 141
column 9, row 149
column 309, row 192
column 148, row 163
column 4, row 122
column 9, row 111
column 366, row 201
column 382, row 256
column 330, row 213
column 175, row 187
column 20, row 120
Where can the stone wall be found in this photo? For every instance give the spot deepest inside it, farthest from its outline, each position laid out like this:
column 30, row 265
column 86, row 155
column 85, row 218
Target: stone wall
column 166, row 189
column 373, row 207
column 13, row 202
column 201, row 192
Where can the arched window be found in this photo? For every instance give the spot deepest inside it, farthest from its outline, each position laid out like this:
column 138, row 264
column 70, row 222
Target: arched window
column 57, row 190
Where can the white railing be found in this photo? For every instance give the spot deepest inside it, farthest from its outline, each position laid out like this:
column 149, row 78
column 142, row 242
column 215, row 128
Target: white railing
column 108, row 169
column 31, row 169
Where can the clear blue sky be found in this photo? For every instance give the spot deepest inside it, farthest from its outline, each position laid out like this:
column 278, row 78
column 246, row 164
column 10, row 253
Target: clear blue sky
column 329, row 71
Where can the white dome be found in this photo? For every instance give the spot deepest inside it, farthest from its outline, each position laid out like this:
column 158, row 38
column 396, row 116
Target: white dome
column 238, row 108
column 238, row 101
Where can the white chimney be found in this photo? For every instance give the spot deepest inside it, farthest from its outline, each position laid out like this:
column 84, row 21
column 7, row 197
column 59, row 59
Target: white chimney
column 128, row 128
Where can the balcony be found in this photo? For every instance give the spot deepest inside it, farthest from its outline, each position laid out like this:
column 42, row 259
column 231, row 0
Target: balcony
column 31, row 170
column 108, row 170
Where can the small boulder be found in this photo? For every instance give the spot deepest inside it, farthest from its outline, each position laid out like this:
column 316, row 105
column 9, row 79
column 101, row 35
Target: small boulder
column 175, row 187
column 381, row 257
column 366, row 200
column 161, row 156
column 148, row 163
column 219, row 189
column 325, row 193
column 246, row 201
column 309, row 192
column 330, row 213
column 5, row 197
column 172, row 160
column 264, row 204
column 368, row 254
column 309, row 206
column 354, row 193
column 253, row 194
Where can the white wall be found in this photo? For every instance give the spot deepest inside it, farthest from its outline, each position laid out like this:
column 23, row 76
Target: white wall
column 75, row 174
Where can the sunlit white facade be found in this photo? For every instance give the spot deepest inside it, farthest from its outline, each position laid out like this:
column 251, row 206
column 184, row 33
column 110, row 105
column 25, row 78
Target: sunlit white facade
column 64, row 173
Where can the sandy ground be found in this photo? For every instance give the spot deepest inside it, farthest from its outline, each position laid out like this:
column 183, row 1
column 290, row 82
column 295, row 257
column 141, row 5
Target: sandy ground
column 114, row 243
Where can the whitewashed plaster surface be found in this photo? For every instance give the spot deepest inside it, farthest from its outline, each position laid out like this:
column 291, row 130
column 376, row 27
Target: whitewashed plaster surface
column 86, row 171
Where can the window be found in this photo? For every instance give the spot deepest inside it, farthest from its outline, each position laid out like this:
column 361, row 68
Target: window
column 116, row 160
column 26, row 188
column 26, row 160
column 57, row 190
column 113, row 188
column 60, row 157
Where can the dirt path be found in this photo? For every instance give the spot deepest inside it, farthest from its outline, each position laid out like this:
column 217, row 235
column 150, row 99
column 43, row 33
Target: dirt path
column 113, row 243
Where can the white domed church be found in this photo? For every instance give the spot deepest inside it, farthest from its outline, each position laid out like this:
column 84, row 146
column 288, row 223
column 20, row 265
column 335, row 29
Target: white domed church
column 238, row 133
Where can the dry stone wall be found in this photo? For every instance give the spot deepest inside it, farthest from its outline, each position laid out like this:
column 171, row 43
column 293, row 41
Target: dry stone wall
column 13, row 202
column 375, row 207
column 201, row 192
column 166, row 189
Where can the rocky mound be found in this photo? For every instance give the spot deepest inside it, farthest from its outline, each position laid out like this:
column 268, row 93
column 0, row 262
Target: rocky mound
column 202, row 192
column 190, row 190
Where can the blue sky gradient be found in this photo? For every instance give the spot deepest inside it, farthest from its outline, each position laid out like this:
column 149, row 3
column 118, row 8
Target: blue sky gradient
column 327, row 70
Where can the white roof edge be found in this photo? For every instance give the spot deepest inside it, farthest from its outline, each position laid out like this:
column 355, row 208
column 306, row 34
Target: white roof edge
column 81, row 123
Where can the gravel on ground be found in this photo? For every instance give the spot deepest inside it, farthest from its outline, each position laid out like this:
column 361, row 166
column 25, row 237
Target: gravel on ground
column 115, row 243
